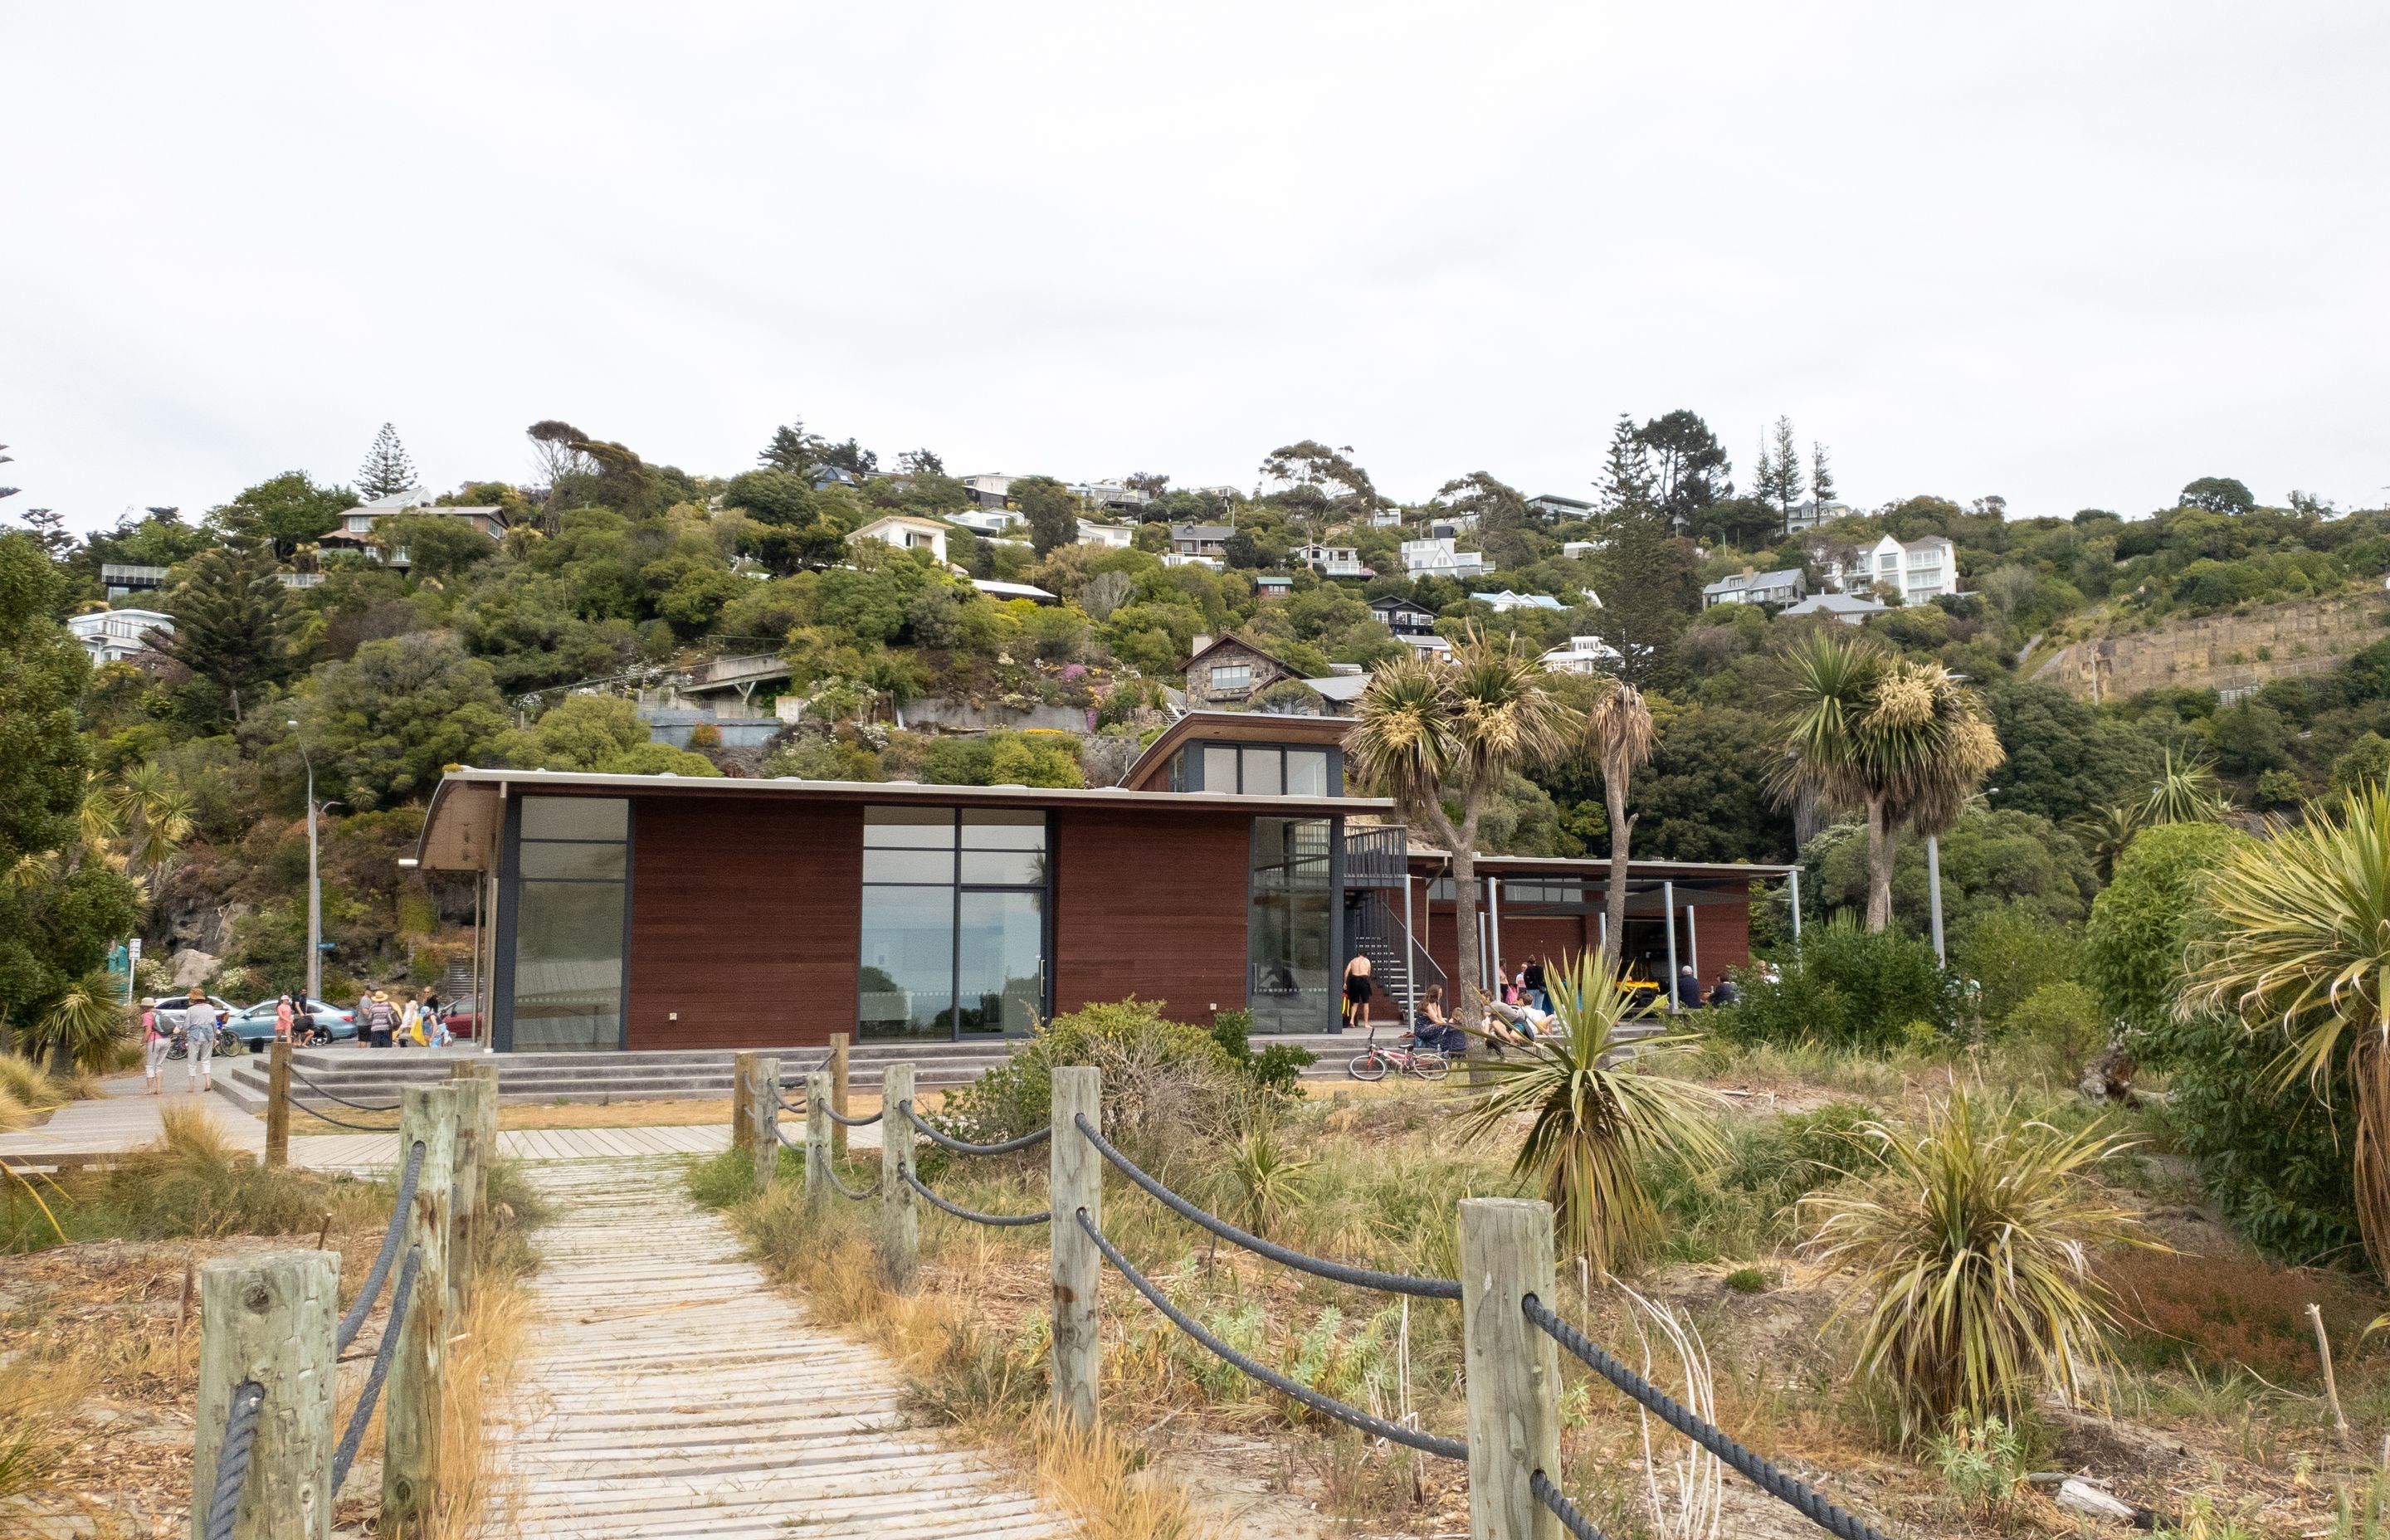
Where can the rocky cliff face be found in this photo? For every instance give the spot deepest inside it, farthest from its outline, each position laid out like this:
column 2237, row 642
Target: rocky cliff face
column 2232, row 654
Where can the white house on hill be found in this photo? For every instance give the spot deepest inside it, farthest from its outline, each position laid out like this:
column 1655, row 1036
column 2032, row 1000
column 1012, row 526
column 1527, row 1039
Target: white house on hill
column 1918, row 571
column 113, row 636
column 907, row 533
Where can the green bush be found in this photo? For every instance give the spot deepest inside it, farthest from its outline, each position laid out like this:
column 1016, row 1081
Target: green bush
column 2133, row 947
column 1159, row 1074
column 2011, row 951
column 1742, row 1207
column 1847, row 986
column 2063, row 1020
column 1275, row 1071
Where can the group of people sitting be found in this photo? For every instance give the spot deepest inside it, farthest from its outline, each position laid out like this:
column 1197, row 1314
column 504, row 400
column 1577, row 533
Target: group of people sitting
column 1520, row 1012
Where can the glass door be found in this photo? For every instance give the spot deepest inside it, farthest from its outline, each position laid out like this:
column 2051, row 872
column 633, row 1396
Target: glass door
column 1000, row 961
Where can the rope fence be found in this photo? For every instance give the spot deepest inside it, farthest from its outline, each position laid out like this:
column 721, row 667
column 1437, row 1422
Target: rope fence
column 1793, row 1493
column 945, row 1140
column 844, row 1122
column 1565, row 1511
column 355, row 1106
column 401, row 1297
column 232, row 1458
column 1045, row 1217
column 371, row 1288
column 829, row 1170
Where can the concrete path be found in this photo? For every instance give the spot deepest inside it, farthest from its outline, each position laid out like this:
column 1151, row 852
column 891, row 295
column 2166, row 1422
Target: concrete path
column 671, row 1391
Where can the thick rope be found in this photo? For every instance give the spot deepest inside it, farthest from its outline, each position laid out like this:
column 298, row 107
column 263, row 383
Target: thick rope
column 232, row 1457
column 371, row 1288
column 346, row 1455
column 356, row 1105
column 782, row 1134
column 1412, row 1438
column 1798, row 1494
column 973, row 1215
column 356, row 1127
column 844, row 1122
column 947, row 1141
column 1565, row 1511
column 785, row 1104
column 829, row 1169
column 1362, row 1277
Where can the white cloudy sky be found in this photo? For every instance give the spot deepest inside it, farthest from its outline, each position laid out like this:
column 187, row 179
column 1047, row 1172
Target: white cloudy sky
column 2074, row 254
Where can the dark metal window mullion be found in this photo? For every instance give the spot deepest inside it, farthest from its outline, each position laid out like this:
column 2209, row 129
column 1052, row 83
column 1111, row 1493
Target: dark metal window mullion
column 955, row 941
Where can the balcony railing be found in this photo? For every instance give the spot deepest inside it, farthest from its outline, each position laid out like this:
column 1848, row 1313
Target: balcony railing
column 1378, row 857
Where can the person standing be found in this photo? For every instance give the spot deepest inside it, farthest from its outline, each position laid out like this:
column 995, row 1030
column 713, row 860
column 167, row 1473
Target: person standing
column 380, row 1020
column 1359, row 990
column 285, row 1015
column 157, row 1038
column 200, row 1039
column 1532, row 977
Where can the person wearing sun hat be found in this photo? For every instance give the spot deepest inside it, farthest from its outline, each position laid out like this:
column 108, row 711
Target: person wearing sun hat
column 380, row 1019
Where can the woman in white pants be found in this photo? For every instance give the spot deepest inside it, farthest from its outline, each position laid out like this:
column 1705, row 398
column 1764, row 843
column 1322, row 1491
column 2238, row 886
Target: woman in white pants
column 200, row 1039
column 157, row 1038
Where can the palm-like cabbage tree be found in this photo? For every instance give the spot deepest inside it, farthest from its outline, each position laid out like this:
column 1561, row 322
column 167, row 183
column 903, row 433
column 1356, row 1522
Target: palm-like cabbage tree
column 2186, row 791
column 1618, row 731
column 1440, row 740
column 1598, row 1116
column 155, row 815
column 1899, row 739
column 2300, row 943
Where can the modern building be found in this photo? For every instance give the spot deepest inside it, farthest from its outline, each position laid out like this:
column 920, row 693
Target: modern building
column 1554, row 506
column 1116, row 537
column 1803, row 517
column 1228, row 871
column 354, row 531
column 1583, row 655
column 124, row 578
column 1916, row 570
column 119, row 636
column 1572, row 550
column 1504, row 600
column 1437, row 556
column 1787, row 585
column 1431, row 646
column 1402, row 617
column 1231, row 671
column 1336, row 561
column 989, row 522
column 990, row 489
column 907, row 533
column 996, row 588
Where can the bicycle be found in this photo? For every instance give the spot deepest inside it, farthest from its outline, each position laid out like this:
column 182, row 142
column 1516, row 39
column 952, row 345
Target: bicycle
column 1373, row 1063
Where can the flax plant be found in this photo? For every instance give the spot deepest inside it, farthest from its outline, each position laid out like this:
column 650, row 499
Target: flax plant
column 1598, row 1112
column 1972, row 1238
column 2299, row 943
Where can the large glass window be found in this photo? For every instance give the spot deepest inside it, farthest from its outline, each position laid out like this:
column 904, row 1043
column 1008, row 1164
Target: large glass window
column 1260, row 770
column 1291, row 929
column 569, row 901
column 954, row 921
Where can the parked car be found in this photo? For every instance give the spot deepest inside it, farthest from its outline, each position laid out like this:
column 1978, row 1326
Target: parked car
column 464, row 1019
column 322, row 1023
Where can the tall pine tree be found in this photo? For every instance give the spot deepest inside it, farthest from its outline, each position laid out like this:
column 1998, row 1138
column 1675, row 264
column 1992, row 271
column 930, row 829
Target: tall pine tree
column 235, row 623
column 1641, row 570
column 387, row 470
column 1822, row 477
column 1779, row 481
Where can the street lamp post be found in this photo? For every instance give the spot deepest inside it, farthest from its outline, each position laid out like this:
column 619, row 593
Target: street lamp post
column 315, row 890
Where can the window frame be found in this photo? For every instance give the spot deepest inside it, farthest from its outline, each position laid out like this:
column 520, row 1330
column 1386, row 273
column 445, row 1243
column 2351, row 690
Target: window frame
column 509, row 915
column 955, row 887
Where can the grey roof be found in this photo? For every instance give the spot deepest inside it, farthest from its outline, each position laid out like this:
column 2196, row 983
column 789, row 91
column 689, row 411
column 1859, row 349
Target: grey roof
column 1340, row 687
column 1836, row 604
column 1786, row 577
column 1202, row 532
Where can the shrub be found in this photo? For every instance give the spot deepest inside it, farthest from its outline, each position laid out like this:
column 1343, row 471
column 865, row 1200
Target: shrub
column 2141, row 926
column 1983, row 1465
column 2062, row 1020
column 2232, row 1311
column 1158, row 1074
column 1971, row 1241
column 1847, row 986
column 1275, row 1072
column 2009, row 952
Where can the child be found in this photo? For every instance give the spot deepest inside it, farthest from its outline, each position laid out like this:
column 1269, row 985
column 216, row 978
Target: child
column 284, row 1015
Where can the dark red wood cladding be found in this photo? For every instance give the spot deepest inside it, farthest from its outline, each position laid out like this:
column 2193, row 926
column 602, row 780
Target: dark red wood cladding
column 1151, row 903
column 746, row 919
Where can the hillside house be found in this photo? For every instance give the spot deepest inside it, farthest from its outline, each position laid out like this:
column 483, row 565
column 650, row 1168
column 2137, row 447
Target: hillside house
column 1438, row 557
column 1231, row 671
column 1845, row 608
column 1918, row 571
column 907, row 533
column 1786, row 586
column 1111, row 537
column 1556, row 508
column 1203, row 540
column 1583, row 655
column 1402, row 617
column 119, row 636
column 354, row 531
column 1336, row 561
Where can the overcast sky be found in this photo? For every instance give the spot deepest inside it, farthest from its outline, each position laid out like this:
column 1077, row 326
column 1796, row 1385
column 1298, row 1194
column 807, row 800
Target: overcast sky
column 2072, row 254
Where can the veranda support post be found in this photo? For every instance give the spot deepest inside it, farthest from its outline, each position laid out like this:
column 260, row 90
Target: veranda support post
column 412, row 1405
column 817, row 1146
column 1510, row 1371
column 277, row 1104
column 900, row 1217
column 477, row 1150
column 270, row 1317
column 837, row 1072
column 742, row 1070
column 761, row 1091
column 1076, row 1179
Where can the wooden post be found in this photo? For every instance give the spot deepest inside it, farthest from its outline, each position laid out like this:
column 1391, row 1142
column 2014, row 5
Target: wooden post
column 838, row 1065
column 270, row 1317
column 410, row 1415
column 900, row 1216
column 764, row 1118
column 477, row 1150
column 817, row 1146
column 277, row 1104
column 742, row 1070
column 1076, row 1181
column 1511, row 1368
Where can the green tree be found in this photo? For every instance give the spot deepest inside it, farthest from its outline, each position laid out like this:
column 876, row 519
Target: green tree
column 1896, row 738
column 2217, row 495
column 792, row 449
column 2367, row 759
column 1619, row 735
column 234, row 624
column 2142, row 924
column 388, row 469
column 289, row 511
column 1430, row 733
column 387, row 720
column 1688, row 466
column 1778, row 480
column 1052, row 512
column 780, row 498
column 2063, row 759
column 435, row 548
column 59, row 915
column 581, row 732
column 1639, row 571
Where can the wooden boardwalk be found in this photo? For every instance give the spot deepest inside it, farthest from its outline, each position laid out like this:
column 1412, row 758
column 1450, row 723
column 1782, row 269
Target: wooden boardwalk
column 672, row 1391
